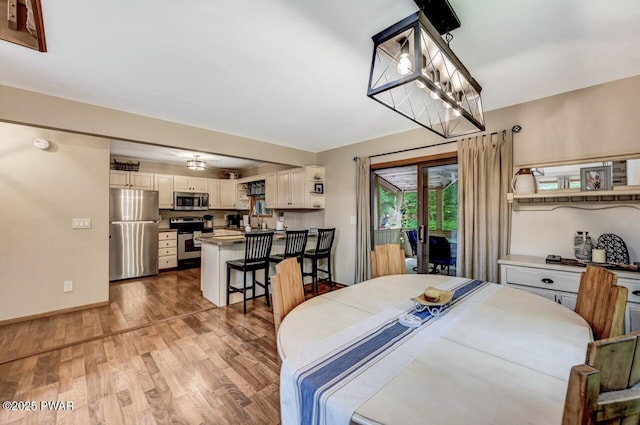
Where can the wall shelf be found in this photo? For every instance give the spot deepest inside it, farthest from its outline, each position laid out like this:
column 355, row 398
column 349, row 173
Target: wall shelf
column 592, row 200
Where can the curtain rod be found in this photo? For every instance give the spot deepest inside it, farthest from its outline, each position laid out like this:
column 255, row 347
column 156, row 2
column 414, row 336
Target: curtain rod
column 516, row 129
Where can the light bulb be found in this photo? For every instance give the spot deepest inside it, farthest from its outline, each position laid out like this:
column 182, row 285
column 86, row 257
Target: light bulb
column 456, row 112
column 446, row 105
column 404, row 64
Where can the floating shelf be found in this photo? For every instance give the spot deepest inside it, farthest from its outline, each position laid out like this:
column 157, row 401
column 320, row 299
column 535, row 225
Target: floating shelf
column 552, row 199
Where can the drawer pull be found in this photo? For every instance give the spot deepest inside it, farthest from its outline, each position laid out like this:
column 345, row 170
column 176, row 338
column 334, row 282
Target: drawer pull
column 547, row 280
column 636, row 293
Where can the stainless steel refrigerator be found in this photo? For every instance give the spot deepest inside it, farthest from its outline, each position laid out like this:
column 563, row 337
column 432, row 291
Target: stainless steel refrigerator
column 133, row 233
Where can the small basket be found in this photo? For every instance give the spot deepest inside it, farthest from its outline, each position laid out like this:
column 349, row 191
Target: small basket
column 125, row 166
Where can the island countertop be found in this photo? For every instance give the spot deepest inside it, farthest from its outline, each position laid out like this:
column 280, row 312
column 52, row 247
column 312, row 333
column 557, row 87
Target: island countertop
column 228, row 239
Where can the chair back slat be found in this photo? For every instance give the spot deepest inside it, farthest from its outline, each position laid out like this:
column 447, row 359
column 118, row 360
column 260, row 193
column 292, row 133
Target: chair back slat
column 295, row 243
column 257, row 247
column 288, row 290
column 325, row 240
column 386, row 260
column 601, row 302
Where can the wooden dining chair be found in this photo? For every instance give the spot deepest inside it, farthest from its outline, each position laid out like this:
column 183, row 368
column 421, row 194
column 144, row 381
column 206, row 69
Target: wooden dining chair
column 601, row 302
column 287, row 289
column 387, row 259
column 605, row 389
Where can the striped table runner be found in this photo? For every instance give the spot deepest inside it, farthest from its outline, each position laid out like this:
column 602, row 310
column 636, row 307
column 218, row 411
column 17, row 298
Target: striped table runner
column 328, row 385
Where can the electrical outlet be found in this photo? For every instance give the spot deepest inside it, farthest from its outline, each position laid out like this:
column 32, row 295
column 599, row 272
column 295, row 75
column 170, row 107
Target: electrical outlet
column 81, row 223
column 68, row 285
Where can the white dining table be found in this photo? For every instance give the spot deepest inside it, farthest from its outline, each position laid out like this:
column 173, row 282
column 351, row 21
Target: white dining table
column 494, row 355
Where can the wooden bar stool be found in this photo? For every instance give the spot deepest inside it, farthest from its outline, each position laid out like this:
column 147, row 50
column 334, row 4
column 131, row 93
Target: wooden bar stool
column 256, row 257
column 321, row 251
column 294, row 246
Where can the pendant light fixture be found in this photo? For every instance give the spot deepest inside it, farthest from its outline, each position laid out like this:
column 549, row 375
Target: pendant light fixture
column 415, row 73
column 195, row 164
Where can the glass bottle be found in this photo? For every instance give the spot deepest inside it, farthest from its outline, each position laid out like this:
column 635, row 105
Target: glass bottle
column 582, row 246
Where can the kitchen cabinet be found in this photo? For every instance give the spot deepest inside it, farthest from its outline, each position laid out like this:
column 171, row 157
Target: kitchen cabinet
column 163, row 183
column 167, row 249
column 130, row 180
column 213, row 189
column 228, row 188
column 560, row 283
column 301, row 187
column 190, row 184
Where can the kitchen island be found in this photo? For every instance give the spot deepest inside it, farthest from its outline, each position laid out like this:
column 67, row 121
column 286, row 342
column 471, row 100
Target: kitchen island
column 217, row 250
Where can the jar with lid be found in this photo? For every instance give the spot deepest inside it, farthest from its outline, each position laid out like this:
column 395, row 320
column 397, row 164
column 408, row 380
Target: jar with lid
column 582, row 246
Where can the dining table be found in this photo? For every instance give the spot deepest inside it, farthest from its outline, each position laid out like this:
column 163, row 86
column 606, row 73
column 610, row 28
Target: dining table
column 490, row 355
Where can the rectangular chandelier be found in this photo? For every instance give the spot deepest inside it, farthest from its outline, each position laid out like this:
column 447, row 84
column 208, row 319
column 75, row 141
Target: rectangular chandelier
column 415, row 73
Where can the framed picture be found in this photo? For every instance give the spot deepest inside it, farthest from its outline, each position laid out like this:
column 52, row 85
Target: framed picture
column 21, row 23
column 318, row 188
column 595, row 178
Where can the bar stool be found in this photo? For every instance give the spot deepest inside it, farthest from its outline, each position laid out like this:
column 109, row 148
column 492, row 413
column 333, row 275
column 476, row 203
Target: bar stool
column 294, row 246
column 256, row 257
column 322, row 251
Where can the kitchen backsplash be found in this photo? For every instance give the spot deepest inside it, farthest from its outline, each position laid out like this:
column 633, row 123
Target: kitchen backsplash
column 294, row 220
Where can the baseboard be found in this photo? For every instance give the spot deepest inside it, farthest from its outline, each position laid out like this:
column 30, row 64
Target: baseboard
column 53, row 313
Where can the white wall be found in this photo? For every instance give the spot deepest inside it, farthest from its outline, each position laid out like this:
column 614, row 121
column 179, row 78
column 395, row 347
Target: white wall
column 41, row 191
column 592, row 122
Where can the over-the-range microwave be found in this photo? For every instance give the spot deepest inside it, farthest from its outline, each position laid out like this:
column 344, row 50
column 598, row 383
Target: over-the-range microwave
column 186, row 201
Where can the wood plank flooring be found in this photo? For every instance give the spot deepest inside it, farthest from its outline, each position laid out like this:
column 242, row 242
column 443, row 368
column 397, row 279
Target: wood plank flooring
column 208, row 366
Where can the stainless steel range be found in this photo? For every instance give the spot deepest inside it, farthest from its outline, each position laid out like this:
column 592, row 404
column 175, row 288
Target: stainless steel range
column 189, row 248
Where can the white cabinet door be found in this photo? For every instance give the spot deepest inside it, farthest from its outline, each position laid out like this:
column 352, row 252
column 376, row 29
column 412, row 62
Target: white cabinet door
column 298, row 188
column 163, row 183
column 199, row 184
column 214, row 193
column 141, row 181
column 568, row 301
column 182, row 184
column 228, row 193
column 633, row 317
column 284, row 191
column 270, row 190
column 119, row 179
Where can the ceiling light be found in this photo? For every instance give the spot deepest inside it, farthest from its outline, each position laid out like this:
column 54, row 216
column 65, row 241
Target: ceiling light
column 415, row 73
column 195, row 164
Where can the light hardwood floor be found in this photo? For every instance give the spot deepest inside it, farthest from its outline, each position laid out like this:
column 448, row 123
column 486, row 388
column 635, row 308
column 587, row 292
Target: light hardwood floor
column 158, row 354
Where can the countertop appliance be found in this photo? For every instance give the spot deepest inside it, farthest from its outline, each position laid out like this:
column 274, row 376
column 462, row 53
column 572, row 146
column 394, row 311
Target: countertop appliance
column 189, row 228
column 133, row 233
column 187, row 201
column 233, row 220
column 208, row 221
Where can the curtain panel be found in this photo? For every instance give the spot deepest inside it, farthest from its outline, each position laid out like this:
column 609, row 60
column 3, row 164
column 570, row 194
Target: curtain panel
column 363, row 217
column 485, row 165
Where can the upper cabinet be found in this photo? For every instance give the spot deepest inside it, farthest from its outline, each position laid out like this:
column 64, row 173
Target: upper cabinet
column 228, row 193
column 214, row 193
column 163, row 183
column 301, row 187
column 190, row 184
column 130, row 180
column 271, row 190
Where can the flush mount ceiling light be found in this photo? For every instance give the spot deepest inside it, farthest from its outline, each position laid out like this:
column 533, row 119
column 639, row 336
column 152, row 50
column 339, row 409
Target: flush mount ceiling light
column 415, row 73
column 195, row 164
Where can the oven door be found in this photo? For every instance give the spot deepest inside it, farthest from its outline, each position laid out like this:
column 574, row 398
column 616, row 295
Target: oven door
column 188, row 247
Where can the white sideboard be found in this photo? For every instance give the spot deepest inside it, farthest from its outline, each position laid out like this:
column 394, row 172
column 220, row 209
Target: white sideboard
column 560, row 283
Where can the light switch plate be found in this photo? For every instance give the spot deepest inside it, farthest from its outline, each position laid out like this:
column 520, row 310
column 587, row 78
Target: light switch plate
column 68, row 285
column 81, row 223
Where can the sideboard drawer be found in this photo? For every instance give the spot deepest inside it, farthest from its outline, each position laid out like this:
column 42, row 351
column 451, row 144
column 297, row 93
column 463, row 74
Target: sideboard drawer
column 540, row 278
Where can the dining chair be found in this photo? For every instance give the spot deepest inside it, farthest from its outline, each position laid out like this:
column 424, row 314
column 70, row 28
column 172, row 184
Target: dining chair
column 604, row 390
column 386, row 260
column 294, row 246
column 439, row 253
column 287, row 289
column 601, row 302
column 321, row 251
column 256, row 257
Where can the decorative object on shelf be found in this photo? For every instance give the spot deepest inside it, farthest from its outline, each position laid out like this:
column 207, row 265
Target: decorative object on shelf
column 317, row 177
column 615, row 247
column 318, row 188
column 196, row 164
column 524, row 182
column 415, row 73
column 598, row 255
column 595, row 178
column 582, row 246
column 231, row 175
column 125, row 166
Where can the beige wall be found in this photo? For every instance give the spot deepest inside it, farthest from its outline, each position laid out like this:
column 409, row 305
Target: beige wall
column 25, row 107
column 41, row 192
column 596, row 121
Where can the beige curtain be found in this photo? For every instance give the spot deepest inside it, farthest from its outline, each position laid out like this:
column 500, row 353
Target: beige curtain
column 485, row 165
column 363, row 216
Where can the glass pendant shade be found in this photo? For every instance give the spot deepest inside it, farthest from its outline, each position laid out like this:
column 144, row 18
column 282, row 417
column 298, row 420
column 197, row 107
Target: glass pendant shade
column 415, row 73
column 195, row 164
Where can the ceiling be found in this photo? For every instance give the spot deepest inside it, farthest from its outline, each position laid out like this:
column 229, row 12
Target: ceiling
column 294, row 72
column 406, row 178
